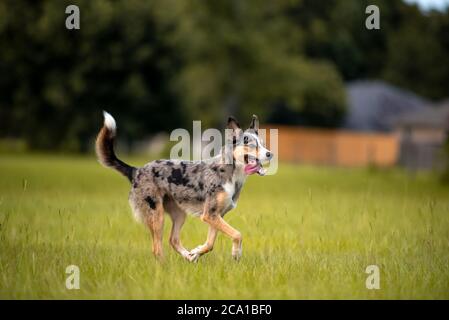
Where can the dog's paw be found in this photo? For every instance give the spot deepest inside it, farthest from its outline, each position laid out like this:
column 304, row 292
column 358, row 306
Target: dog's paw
column 237, row 254
column 197, row 250
column 193, row 257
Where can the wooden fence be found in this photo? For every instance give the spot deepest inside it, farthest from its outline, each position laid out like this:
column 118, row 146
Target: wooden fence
column 335, row 147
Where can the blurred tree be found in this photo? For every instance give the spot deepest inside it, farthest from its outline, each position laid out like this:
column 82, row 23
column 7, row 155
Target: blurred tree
column 156, row 65
column 416, row 57
column 244, row 57
column 405, row 51
column 59, row 80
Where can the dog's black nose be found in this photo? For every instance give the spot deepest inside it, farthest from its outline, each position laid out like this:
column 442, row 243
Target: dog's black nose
column 269, row 154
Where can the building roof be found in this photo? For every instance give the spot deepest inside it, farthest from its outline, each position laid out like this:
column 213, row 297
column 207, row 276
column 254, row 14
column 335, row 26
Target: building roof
column 375, row 105
column 430, row 117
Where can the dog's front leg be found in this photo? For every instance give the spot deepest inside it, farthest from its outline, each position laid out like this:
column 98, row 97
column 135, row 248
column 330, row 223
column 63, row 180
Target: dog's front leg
column 217, row 222
column 212, row 214
column 206, row 247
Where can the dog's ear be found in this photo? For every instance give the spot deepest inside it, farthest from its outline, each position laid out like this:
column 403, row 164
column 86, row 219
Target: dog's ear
column 236, row 130
column 254, row 124
column 233, row 124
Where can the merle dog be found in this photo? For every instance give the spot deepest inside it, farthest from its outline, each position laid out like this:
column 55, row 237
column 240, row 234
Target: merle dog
column 207, row 188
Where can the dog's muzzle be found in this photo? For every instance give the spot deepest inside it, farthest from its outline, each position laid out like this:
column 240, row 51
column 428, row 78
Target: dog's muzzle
column 255, row 166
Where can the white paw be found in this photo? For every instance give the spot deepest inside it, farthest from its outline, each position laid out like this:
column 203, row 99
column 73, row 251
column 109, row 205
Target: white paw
column 197, row 250
column 193, row 257
column 237, row 253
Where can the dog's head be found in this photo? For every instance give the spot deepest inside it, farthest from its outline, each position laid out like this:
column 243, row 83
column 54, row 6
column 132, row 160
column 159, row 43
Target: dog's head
column 249, row 150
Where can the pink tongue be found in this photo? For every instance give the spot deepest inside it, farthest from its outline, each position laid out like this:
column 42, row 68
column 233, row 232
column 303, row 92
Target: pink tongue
column 250, row 169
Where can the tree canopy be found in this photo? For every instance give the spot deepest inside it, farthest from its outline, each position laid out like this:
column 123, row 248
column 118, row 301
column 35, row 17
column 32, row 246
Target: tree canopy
column 156, row 65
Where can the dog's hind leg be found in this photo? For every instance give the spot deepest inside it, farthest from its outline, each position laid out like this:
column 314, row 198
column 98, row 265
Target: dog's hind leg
column 154, row 219
column 178, row 217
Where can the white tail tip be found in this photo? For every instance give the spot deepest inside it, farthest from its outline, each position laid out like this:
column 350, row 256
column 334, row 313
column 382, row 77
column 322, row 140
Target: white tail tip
column 109, row 121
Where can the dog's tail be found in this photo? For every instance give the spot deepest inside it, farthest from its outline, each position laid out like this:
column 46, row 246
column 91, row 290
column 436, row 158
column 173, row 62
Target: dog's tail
column 104, row 147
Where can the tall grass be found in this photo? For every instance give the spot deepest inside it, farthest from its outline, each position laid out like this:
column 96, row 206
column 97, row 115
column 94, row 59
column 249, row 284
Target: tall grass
column 309, row 233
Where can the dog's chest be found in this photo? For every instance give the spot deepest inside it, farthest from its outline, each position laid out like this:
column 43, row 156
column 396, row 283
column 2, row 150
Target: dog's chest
column 232, row 189
column 229, row 188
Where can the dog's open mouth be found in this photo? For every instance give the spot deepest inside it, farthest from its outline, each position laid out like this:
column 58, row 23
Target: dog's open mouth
column 255, row 167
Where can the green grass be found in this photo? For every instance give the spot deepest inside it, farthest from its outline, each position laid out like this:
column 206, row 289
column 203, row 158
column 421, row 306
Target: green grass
column 308, row 233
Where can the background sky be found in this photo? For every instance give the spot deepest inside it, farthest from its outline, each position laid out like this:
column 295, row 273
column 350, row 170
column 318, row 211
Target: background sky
column 430, row 4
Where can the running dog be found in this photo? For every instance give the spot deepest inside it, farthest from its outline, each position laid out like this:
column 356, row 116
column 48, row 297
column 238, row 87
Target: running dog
column 207, row 189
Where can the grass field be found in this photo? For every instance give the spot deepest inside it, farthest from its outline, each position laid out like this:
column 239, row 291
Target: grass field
column 308, row 233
